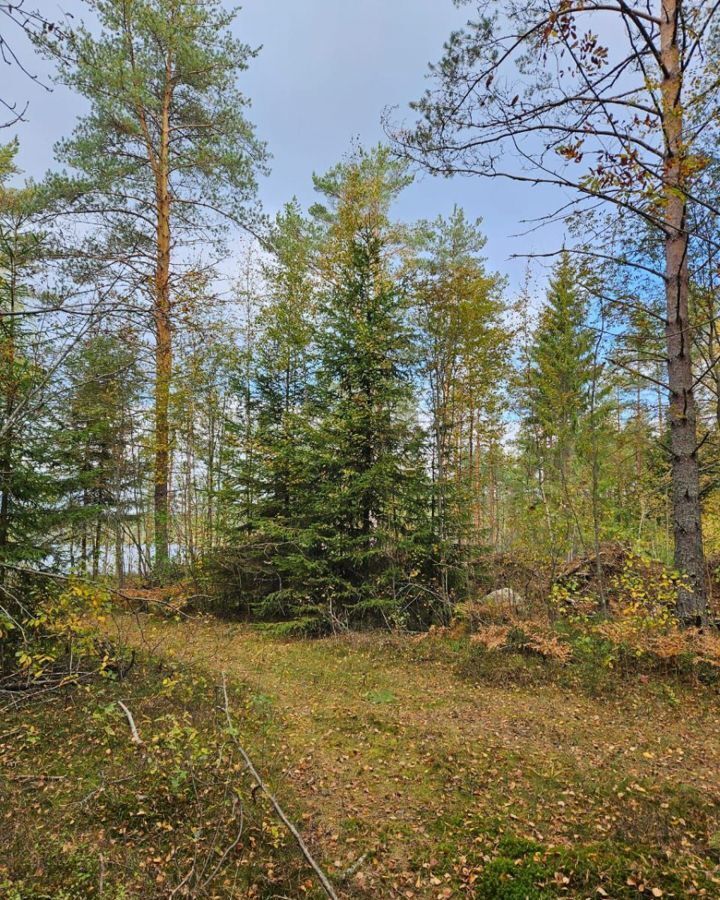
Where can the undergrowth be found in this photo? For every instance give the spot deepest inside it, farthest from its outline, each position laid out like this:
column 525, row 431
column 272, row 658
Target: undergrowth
column 88, row 813
column 49, row 633
column 512, row 867
column 570, row 640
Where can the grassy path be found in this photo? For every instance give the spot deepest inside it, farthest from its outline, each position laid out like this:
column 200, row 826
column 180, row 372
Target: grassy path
column 460, row 789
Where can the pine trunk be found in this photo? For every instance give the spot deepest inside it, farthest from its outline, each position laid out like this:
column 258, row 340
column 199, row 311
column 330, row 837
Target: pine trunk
column 163, row 346
column 6, row 453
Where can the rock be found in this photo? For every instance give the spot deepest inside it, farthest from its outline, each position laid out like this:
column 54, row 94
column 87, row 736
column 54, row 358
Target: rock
column 505, row 598
column 498, row 607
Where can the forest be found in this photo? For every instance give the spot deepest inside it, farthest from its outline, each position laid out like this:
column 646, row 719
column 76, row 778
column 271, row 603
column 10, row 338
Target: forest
column 340, row 554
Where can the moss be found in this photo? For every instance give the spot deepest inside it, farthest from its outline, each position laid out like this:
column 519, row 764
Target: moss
column 503, row 865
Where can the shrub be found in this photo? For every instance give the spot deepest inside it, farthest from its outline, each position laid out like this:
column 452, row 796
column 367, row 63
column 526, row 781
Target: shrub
column 599, row 655
column 47, row 633
column 505, row 667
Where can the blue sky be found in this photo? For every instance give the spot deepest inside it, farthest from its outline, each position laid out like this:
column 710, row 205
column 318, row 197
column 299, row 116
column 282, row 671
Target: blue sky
column 327, row 71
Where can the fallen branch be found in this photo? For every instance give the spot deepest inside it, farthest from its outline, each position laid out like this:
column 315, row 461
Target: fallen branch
column 136, row 739
column 23, row 693
column 36, row 777
column 322, row 877
column 348, row 873
column 228, row 850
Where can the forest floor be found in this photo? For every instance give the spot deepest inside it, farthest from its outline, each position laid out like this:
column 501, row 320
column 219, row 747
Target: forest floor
column 412, row 778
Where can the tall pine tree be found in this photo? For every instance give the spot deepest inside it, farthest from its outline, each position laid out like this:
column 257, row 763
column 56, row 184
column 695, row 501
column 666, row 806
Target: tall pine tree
column 164, row 155
column 458, row 312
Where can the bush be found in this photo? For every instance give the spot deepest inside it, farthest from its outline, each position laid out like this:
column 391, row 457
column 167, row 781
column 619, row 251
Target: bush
column 48, row 633
column 282, row 576
column 506, row 667
column 598, row 655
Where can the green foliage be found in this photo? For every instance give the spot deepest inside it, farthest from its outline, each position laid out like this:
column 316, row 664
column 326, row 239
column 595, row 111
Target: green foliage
column 564, row 391
column 205, row 364
column 28, row 486
column 561, row 371
column 463, row 351
column 302, row 626
column 102, row 391
column 142, row 817
column 597, row 656
column 371, row 449
column 518, row 873
column 346, row 432
column 115, row 150
column 331, row 483
column 594, row 660
column 160, row 164
column 8, row 152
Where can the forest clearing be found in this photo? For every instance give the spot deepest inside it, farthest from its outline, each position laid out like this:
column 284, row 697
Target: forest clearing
column 359, row 449
column 400, row 767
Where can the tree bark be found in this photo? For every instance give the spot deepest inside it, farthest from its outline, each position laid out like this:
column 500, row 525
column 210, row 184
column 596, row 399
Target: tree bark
column 682, row 413
column 119, row 554
column 163, row 340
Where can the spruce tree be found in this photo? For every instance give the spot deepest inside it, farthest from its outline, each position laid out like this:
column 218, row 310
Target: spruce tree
column 371, row 484
column 100, row 396
column 276, row 551
column 338, row 526
column 561, row 364
column 27, row 483
column 564, row 401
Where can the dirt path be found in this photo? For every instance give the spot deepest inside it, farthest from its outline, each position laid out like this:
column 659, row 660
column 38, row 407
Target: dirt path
column 391, row 753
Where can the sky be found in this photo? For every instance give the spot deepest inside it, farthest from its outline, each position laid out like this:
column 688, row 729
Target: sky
column 327, row 71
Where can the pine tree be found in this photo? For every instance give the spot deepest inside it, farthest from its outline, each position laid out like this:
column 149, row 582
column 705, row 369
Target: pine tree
column 642, row 504
column 207, row 361
column 163, row 156
column 285, row 364
column 458, row 312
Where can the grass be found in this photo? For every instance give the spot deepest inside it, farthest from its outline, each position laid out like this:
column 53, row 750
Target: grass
column 448, row 779
column 87, row 813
